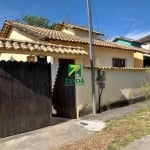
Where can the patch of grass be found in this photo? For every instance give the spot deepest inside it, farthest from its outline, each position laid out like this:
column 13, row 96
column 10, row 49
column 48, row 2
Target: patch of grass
column 118, row 133
column 110, row 147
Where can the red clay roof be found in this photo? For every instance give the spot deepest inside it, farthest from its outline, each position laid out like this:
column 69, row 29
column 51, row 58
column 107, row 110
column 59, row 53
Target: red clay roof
column 7, row 45
column 47, row 34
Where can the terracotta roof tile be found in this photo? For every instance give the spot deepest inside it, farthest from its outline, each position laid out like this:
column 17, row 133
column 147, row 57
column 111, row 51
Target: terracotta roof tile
column 21, row 46
column 47, row 34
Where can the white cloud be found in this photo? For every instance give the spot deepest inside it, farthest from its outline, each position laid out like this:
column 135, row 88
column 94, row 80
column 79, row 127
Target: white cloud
column 137, row 34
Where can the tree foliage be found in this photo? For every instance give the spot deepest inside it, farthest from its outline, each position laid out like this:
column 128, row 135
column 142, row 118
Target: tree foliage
column 37, row 21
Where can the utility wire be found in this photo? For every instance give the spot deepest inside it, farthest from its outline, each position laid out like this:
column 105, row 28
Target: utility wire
column 95, row 15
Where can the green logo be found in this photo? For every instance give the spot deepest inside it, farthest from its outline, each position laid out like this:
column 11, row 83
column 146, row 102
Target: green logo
column 74, row 68
column 71, row 80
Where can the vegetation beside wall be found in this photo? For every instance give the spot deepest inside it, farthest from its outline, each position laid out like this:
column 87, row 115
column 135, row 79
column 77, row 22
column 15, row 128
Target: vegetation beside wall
column 146, row 85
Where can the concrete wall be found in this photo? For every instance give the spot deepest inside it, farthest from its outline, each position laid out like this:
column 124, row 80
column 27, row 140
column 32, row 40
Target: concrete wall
column 116, row 80
column 83, row 95
column 120, row 79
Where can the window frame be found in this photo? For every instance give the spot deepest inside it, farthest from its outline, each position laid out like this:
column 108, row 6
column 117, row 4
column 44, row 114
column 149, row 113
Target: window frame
column 119, row 62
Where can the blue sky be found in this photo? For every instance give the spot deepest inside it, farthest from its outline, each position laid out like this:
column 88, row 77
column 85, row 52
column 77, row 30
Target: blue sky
column 128, row 18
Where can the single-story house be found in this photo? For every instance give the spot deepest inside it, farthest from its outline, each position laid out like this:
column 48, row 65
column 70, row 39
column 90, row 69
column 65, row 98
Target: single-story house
column 127, row 41
column 67, row 44
column 145, row 41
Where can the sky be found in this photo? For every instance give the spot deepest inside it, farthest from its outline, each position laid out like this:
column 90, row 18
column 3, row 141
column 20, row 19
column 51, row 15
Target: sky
column 128, row 18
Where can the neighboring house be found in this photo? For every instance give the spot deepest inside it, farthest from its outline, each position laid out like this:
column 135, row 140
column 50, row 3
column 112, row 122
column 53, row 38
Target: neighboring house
column 131, row 42
column 127, row 41
column 145, row 41
column 68, row 44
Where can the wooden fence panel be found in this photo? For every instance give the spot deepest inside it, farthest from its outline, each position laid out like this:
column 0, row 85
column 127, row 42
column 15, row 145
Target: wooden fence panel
column 24, row 97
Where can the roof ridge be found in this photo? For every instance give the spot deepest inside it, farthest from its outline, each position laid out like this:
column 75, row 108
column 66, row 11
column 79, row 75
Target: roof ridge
column 21, row 23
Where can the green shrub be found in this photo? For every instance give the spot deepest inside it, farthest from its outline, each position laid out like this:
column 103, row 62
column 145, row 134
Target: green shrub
column 146, row 85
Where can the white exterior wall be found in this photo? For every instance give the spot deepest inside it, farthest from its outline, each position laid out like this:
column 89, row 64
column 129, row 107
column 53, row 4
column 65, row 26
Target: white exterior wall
column 116, row 80
column 20, row 57
column 78, row 32
column 13, row 57
column 146, row 46
column 103, row 57
column 19, row 35
column 68, row 31
column 85, row 34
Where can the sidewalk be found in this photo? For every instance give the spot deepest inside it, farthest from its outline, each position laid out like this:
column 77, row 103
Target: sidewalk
column 54, row 136
column 141, row 144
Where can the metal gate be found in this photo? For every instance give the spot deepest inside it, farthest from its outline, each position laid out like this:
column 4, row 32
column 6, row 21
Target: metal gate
column 25, row 102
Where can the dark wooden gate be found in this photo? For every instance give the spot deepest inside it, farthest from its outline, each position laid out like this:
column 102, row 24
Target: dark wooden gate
column 24, row 97
column 63, row 97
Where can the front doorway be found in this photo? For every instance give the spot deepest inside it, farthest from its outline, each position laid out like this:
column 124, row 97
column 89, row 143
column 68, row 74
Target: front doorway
column 63, row 97
column 146, row 61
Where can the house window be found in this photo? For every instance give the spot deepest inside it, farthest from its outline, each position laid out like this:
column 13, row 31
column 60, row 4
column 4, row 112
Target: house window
column 119, row 62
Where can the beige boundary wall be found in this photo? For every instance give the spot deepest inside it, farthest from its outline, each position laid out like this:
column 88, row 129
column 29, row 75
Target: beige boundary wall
column 116, row 79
